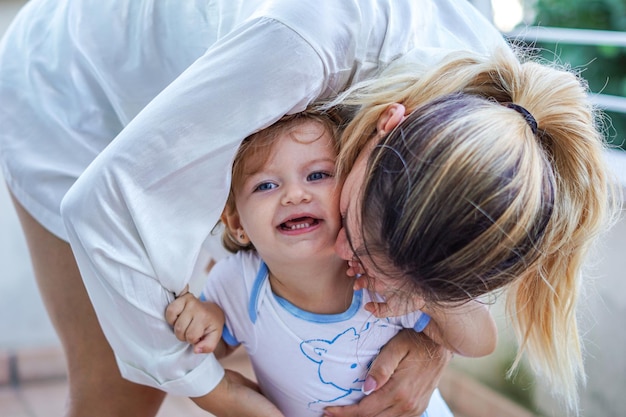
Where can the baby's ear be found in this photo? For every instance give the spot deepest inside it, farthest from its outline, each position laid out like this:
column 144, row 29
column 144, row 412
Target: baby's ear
column 235, row 229
column 231, row 221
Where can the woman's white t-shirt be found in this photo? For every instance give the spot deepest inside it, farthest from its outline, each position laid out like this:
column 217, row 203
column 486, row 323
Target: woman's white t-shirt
column 137, row 108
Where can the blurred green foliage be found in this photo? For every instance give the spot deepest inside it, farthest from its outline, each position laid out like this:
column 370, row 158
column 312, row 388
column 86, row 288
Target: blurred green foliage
column 604, row 67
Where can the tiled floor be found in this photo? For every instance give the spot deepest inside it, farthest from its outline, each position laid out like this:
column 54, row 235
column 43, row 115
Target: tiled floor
column 33, row 384
column 46, row 398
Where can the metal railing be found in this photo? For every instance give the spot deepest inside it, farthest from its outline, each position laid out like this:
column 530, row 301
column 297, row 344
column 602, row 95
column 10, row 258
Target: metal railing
column 532, row 34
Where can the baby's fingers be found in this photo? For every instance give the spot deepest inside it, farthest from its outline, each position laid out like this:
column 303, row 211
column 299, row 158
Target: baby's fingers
column 176, row 307
column 174, row 310
column 181, row 327
column 355, row 268
column 360, row 282
column 394, row 306
column 380, row 310
column 208, row 343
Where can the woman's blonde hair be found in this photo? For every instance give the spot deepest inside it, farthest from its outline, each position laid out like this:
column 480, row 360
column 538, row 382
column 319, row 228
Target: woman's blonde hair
column 467, row 196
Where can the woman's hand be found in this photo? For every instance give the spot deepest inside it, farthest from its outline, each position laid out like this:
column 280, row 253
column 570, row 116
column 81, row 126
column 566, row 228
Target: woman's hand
column 401, row 379
column 236, row 396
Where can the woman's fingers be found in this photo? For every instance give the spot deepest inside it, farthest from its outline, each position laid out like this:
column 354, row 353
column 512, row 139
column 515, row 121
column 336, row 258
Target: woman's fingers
column 403, row 378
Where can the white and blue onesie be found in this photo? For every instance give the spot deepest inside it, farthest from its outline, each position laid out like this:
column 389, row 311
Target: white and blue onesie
column 303, row 361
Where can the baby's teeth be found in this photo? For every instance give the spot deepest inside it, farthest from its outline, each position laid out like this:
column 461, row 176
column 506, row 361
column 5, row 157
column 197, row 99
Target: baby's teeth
column 299, row 226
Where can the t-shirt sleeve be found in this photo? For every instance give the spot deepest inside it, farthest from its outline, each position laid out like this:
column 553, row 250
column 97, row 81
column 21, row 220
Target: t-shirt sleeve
column 415, row 320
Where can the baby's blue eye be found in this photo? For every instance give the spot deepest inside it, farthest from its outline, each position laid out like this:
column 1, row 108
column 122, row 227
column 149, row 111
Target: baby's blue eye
column 316, row 176
column 265, row 186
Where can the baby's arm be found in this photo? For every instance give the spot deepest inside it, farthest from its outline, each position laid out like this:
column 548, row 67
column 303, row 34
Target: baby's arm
column 197, row 322
column 467, row 329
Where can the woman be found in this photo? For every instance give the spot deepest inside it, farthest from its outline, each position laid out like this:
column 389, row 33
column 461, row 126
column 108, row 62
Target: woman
column 138, row 107
column 480, row 174
column 474, row 175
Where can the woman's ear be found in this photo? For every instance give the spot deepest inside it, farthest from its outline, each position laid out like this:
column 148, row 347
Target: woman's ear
column 235, row 229
column 390, row 118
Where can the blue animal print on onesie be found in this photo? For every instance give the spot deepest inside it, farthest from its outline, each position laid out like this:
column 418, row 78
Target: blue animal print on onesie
column 346, row 374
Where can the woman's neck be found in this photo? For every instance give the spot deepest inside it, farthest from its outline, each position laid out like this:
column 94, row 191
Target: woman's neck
column 314, row 286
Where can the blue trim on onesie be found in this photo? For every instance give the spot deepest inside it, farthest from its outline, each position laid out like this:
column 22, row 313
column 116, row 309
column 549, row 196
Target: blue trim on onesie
column 296, row 311
column 228, row 337
column 256, row 291
column 422, row 322
column 323, row 318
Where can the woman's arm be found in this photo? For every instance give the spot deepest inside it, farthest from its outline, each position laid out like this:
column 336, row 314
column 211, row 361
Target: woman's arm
column 138, row 216
column 403, row 378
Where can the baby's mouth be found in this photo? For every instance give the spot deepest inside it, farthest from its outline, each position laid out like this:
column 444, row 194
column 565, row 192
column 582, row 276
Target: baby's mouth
column 299, row 223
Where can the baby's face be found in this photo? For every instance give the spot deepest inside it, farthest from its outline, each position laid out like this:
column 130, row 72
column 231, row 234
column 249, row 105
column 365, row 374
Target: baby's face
column 289, row 207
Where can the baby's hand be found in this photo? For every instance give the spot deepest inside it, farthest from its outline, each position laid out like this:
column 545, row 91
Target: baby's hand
column 195, row 322
column 356, row 270
column 391, row 303
column 395, row 305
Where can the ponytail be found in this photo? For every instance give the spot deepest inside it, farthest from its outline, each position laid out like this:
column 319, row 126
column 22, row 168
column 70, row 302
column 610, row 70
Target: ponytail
column 544, row 300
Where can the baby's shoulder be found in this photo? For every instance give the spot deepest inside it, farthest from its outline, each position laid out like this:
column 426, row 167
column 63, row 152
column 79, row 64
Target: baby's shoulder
column 241, row 265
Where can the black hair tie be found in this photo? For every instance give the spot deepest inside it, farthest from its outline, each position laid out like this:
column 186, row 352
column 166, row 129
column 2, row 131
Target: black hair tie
column 527, row 116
